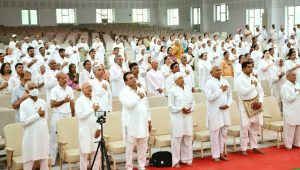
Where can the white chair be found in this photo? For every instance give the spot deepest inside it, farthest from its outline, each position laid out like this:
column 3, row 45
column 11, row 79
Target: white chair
column 235, row 128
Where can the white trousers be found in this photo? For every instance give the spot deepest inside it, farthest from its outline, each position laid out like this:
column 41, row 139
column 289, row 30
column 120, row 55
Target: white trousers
column 249, row 131
column 141, row 146
column 43, row 165
column 182, row 149
column 291, row 135
column 217, row 141
column 84, row 162
column 53, row 134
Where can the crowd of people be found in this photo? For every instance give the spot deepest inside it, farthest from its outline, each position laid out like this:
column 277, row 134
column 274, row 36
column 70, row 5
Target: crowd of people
column 174, row 67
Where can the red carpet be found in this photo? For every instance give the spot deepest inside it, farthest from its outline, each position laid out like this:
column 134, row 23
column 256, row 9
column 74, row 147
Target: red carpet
column 274, row 159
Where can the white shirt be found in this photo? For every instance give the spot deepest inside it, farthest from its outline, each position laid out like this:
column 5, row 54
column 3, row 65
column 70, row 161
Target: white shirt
column 72, row 52
column 38, row 79
column 50, row 81
column 282, row 37
column 116, row 78
column 256, row 56
column 265, row 74
column 216, row 97
column 155, row 80
column 247, row 91
column 178, row 98
column 85, row 76
column 59, row 94
column 13, row 81
column 12, row 45
column 25, row 46
column 87, row 123
column 188, row 78
column 104, row 95
column 135, row 112
column 36, row 139
column 36, row 44
column 291, row 102
column 290, row 64
column 203, row 72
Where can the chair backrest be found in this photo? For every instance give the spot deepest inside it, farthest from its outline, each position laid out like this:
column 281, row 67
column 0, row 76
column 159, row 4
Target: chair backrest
column 230, row 81
column 158, row 101
column 116, row 105
column 160, row 120
column 199, row 97
column 270, row 107
column 199, row 116
column 235, row 96
column 67, row 131
column 7, row 117
column 14, row 137
column 5, row 101
column 266, row 87
column 234, row 114
column 113, row 126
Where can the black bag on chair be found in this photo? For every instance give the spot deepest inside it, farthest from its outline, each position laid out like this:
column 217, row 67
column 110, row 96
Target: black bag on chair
column 161, row 159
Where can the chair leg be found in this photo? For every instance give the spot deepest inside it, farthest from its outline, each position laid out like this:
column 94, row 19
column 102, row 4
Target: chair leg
column 234, row 144
column 201, row 149
column 225, row 148
column 278, row 139
column 262, row 135
column 60, row 163
column 70, row 168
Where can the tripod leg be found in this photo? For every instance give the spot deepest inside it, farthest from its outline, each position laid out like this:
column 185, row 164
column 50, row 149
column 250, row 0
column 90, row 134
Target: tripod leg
column 104, row 151
column 95, row 156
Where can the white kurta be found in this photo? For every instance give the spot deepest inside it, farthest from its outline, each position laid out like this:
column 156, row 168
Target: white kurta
column 203, row 72
column 105, row 96
column 50, row 81
column 216, row 98
column 87, row 123
column 188, row 78
column 73, row 53
column 256, row 55
column 85, row 76
column 247, row 91
column 36, row 140
column 290, row 64
column 155, row 80
column 178, row 98
column 264, row 70
column 116, row 78
column 291, row 102
column 277, row 83
column 135, row 112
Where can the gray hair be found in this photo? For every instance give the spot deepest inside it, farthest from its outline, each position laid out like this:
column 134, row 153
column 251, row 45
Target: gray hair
column 97, row 67
column 28, row 84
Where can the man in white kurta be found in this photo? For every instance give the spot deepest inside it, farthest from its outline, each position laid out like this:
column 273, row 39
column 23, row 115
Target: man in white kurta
column 219, row 98
column 169, row 81
column 37, row 43
column 101, row 89
column 181, row 105
column 155, row 80
column 141, row 82
column 116, row 75
column 89, row 132
column 248, row 87
column 33, row 115
column 50, row 80
column 73, row 53
column 86, row 74
column 290, row 92
column 136, row 120
column 62, row 102
column 187, row 72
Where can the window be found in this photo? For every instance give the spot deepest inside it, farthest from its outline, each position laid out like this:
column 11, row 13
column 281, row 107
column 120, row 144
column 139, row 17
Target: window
column 221, row 13
column 29, row 17
column 196, row 16
column 254, row 18
column 108, row 14
column 173, row 17
column 65, row 16
column 140, row 15
column 293, row 16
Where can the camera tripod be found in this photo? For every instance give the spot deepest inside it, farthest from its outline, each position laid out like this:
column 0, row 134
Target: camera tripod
column 101, row 145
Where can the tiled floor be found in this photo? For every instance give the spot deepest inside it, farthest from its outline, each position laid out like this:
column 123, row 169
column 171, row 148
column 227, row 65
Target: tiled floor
column 269, row 140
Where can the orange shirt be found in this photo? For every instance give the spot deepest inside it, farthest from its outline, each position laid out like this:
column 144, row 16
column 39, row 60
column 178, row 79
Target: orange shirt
column 227, row 69
column 177, row 51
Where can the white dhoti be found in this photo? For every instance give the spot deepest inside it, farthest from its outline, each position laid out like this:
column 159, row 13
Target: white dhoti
column 53, row 132
column 291, row 135
column 182, row 149
column 250, row 131
column 43, row 165
column 142, row 148
column 217, row 140
column 84, row 162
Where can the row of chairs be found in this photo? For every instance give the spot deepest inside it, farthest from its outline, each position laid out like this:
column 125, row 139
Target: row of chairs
column 159, row 137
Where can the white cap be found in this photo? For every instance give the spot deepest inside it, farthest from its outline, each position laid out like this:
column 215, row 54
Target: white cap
column 176, row 76
column 14, row 35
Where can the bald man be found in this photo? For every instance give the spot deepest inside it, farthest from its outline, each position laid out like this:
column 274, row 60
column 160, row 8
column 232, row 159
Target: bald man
column 219, row 98
column 33, row 114
column 86, row 107
column 62, row 102
column 290, row 92
column 155, row 80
